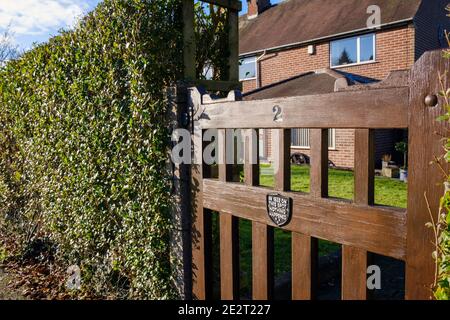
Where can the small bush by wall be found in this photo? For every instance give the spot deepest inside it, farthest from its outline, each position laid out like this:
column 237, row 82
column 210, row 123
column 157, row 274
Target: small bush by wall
column 83, row 147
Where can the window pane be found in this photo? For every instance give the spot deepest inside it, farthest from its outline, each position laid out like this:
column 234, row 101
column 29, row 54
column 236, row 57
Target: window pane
column 367, row 49
column 300, row 138
column 208, row 72
column 344, row 52
column 247, row 68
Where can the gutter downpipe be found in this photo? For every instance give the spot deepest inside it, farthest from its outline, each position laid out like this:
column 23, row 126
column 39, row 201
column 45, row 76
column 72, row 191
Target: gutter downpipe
column 263, row 133
column 258, row 85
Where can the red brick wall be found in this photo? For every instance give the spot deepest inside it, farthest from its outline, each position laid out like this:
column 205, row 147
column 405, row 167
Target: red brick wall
column 343, row 154
column 395, row 50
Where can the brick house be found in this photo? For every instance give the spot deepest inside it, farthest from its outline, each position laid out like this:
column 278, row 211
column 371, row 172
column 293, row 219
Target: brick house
column 300, row 47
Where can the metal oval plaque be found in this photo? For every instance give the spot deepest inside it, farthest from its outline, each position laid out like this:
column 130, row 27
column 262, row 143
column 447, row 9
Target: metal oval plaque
column 279, row 209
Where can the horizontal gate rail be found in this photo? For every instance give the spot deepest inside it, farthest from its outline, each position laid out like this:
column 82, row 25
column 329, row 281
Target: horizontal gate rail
column 374, row 228
column 366, row 109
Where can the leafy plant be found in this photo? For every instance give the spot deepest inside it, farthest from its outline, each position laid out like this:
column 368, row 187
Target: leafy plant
column 84, row 137
column 402, row 147
column 441, row 227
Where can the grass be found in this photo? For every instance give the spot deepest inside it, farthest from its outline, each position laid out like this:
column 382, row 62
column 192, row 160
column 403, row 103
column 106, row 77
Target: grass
column 387, row 192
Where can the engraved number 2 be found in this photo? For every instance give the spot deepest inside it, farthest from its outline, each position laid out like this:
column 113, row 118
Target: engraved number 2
column 278, row 114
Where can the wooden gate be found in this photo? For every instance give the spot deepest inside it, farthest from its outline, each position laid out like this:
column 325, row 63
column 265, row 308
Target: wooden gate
column 359, row 226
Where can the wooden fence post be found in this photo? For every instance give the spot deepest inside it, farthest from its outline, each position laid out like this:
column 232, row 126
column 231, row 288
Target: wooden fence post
column 425, row 142
column 181, row 210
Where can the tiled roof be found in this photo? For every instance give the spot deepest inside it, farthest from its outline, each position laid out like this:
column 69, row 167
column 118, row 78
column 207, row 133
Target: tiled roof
column 298, row 21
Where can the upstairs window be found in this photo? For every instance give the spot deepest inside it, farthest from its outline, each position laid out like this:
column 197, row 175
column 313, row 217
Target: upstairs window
column 353, row 50
column 247, row 68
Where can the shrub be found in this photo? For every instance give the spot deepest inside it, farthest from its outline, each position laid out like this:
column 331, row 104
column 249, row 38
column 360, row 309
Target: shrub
column 441, row 228
column 83, row 147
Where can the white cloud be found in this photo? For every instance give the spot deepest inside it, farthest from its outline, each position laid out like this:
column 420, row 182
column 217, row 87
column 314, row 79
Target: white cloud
column 37, row 17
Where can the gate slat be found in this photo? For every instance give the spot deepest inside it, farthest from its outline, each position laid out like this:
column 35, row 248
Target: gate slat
column 262, row 235
column 201, row 230
column 229, row 257
column 282, row 152
column 304, row 266
column 354, row 267
column 262, row 261
column 229, row 230
column 354, row 260
column 305, row 248
column 319, row 163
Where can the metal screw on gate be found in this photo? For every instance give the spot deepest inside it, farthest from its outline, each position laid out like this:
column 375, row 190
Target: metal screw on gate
column 431, row 100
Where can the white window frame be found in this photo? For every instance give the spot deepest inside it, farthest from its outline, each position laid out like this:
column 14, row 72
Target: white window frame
column 358, row 51
column 331, row 140
column 256, row 69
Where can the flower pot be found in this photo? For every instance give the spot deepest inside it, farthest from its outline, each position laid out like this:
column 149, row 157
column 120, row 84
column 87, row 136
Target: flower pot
column 384, row 164
column 404, row 175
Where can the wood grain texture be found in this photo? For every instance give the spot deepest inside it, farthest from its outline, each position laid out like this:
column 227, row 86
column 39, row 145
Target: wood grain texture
column 282, row 153
column 354, row 273
column 251, row 157
column 201, row 231
column 377, row 229
column 423, row 178
column 189, row 47
column 225, row 165
column 233, row 44
column 319, row 163
column 229, row 257
column 354, row 260
column 364, row 166
column 262, row 261
column 229, row 227
column 354, row 109
column 304, row 267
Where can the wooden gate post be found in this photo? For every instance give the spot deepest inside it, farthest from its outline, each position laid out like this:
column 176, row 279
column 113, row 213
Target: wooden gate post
column 177, row 99
column 425, row 142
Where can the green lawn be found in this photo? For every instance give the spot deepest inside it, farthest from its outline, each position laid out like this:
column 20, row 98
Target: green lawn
column 387, row 192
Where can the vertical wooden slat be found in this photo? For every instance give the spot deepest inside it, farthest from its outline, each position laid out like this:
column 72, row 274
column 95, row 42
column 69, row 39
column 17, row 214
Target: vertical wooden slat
column 425, row 142
column 354, row 268
column 262, row 235
column 189, row 46
column 201, row 229
column 354, row 260
column 225, row 162
column 229, row 257
column 364, row 166
column 282, row 151
column 233, row 45
column 319, row 163
column 305, row 248
column 229, row 229
column 251, row 157
column 304, row 266
column 262, row 261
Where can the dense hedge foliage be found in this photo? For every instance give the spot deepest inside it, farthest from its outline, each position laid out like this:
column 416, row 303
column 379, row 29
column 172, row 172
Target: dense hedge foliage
column 83, row 147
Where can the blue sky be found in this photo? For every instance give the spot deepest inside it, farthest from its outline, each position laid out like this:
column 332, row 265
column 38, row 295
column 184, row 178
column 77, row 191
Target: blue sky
column 38, row 20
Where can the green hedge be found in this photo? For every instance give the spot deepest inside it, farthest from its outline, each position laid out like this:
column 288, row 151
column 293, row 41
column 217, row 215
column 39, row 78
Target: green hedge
column 83, row 147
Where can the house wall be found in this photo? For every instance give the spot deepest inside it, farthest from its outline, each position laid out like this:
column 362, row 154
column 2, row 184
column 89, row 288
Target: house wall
column 395, row 50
